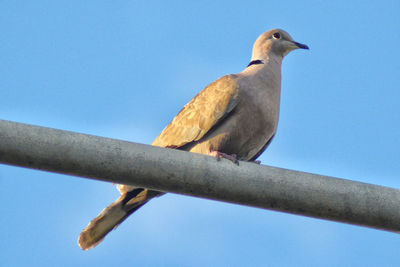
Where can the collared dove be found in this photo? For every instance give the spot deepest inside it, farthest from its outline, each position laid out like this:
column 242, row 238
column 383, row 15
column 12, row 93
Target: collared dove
column 234, row 117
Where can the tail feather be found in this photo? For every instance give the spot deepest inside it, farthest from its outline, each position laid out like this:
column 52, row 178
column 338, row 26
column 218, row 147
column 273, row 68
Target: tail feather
column 113, row 215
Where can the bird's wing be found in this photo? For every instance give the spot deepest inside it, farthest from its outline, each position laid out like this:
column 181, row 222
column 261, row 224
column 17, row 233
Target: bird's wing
column 204, row 111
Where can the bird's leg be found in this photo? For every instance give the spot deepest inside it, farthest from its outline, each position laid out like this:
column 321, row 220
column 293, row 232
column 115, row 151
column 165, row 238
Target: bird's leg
column 220, row 155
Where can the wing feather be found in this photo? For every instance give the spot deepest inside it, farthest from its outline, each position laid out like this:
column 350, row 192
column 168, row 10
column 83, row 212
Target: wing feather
column 198, row 116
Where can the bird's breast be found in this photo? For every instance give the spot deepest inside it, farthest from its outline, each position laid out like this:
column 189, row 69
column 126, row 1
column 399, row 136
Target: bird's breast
column 247, row 129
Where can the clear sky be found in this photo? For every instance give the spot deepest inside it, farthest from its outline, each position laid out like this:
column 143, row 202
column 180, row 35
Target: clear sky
column 123, row 69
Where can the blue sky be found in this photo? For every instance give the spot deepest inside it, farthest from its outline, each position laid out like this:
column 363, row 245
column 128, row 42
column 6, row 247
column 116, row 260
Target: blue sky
column 123, row 69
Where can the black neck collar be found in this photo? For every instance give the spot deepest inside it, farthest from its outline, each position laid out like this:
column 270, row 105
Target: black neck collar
column 255, row 62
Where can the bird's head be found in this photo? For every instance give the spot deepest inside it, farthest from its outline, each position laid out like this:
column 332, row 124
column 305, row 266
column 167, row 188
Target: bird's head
column 275, row 42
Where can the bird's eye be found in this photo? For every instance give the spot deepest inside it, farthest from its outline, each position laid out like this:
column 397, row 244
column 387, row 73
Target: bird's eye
column 276, row 35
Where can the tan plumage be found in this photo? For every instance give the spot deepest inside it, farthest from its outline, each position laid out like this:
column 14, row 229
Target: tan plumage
column 236, row 114
column 198, row 116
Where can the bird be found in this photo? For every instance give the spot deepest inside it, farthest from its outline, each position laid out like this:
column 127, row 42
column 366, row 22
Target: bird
column 235, row 117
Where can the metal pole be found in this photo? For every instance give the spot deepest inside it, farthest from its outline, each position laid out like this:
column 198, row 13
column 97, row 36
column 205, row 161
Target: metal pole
column 198, row 175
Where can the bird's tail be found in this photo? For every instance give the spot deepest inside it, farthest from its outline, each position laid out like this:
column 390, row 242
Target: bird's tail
column 113, row 215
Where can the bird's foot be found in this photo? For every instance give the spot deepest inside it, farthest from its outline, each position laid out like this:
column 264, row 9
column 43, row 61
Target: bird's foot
column 256, row 162
column 220, row 155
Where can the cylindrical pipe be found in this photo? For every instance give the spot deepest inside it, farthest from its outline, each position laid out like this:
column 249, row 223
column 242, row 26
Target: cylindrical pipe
column 192, row 174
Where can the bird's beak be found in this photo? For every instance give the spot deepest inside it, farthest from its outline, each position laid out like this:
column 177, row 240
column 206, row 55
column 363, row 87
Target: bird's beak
column 302, row 46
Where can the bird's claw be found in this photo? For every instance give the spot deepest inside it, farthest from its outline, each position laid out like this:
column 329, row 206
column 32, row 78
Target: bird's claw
column 218, row 155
